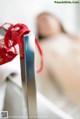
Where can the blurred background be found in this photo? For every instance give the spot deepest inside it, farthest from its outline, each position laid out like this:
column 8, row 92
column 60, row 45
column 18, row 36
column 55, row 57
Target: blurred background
column 26, row 11
column 59, row 81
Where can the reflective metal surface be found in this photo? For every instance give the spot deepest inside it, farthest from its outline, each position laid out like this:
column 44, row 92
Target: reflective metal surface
column 28, row 75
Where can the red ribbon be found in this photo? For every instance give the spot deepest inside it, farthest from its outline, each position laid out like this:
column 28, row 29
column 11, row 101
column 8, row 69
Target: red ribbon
column 14, row 35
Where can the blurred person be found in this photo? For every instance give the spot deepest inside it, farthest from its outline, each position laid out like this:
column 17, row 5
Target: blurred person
column 61, row 53
column 48, row 25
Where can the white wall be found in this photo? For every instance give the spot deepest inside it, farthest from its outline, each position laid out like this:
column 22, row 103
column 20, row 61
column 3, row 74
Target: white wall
column 25, row 11
column 17, row 11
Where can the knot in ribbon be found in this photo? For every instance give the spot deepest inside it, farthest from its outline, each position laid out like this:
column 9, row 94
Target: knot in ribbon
column 14, row 35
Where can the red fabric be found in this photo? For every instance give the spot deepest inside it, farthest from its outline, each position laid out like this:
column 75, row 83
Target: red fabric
column 14, row 35
column 6, row 56
column 41, row 54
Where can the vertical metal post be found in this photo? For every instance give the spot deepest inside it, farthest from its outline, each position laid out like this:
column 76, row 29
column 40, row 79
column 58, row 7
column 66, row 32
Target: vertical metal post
column 28, row 75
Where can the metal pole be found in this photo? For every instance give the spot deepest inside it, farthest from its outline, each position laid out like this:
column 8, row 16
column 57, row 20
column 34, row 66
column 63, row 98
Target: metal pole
column 28, row 75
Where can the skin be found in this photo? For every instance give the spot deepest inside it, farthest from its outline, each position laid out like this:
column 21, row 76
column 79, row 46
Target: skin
column 48, row 26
